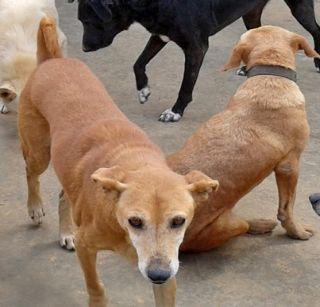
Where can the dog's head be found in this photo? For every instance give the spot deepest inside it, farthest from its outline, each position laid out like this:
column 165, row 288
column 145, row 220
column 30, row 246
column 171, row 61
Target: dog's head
column 269, row 45
column 102, row 20
column 155, row 206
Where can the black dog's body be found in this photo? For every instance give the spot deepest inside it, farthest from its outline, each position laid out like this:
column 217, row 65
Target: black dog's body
column 188, row 23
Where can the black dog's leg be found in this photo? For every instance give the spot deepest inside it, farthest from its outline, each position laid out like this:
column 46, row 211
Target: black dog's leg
column 253, row 18
column 193, row 61
column 154, row 45
column 303, row 11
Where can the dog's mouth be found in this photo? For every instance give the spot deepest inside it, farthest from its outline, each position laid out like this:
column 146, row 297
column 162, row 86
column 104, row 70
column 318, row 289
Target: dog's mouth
column 158, row 282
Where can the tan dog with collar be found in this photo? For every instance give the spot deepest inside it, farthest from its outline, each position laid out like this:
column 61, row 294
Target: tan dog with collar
column 123, row 195
column 264, row 129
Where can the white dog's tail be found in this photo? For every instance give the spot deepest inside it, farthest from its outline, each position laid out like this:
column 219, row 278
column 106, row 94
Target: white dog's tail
column 48, row 45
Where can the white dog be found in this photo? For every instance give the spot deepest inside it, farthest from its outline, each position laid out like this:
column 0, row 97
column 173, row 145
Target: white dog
column 19, row 23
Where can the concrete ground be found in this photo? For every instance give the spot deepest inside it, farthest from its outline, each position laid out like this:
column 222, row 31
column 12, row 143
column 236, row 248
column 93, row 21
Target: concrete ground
column 270, row 270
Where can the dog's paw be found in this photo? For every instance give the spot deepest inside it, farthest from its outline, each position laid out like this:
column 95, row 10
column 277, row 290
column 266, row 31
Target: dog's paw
column 36, row 213
column 242, row 71
column 300, row 232
column 317, row 64
column 169, row 116
column 3, row 108
column 143, row 95
column 67, row 241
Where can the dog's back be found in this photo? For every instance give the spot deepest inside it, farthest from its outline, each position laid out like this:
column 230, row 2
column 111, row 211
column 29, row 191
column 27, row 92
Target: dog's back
column 64, row 90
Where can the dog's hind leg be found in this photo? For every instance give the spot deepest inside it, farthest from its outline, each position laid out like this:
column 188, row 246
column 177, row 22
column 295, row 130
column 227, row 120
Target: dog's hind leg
column 165, row 294
column 225, row 227
column 287, row 173
column 304, row 12
column 65, row 223
column 261, row 226
column 194, row 55
column 35, row 143
column 153, row 47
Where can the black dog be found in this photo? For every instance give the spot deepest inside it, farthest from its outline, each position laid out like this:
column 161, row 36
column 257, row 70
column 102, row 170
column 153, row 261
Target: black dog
column 188, row 23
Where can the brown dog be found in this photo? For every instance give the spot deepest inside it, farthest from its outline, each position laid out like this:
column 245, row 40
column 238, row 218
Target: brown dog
column 263, row 129
column 123, row 195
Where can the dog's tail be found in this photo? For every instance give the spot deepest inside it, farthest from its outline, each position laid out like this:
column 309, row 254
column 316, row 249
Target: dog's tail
column 48, row 44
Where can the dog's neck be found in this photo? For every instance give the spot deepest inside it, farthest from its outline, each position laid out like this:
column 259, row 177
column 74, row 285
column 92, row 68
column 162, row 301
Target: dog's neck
column 272, row 56
column 269, row 70
column 269, row 92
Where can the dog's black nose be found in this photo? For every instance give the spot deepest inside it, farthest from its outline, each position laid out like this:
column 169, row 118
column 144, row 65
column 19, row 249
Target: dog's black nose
column 158, row 276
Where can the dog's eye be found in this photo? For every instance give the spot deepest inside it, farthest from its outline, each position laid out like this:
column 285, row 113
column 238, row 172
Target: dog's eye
column 136, row 222
column 177, row 222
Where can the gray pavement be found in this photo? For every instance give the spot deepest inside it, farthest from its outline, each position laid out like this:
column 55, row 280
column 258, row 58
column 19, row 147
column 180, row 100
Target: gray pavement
column 270, row 270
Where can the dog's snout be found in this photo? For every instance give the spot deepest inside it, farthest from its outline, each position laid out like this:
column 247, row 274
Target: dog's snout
column 158, row 271
column 159, row 276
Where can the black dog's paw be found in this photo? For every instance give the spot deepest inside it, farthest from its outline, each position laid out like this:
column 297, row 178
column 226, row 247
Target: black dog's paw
column 168, row 116
column 3, row 108
column 143, row 94
column 317, row 64
column 242, row 71
column 315, row 202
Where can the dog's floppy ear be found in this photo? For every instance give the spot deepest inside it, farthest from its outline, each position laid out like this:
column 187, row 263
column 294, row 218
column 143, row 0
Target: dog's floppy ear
column 110, row 179
column 7, row 92
column 301, row 43
column 237, row 56
column 200, row 185
column 102, row 9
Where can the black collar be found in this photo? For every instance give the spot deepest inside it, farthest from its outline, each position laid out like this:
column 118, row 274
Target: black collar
column 269, row 70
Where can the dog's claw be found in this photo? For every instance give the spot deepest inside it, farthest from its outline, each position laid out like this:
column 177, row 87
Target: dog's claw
column 143, row 95
column 169, row 116
column 67, row 241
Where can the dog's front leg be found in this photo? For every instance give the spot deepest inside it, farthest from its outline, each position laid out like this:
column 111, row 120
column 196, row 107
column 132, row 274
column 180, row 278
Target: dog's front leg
column 95, row 288
column 154, row 45
column 194, row 56
column 165, row 294
column 287, row 173
column 65, row 223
